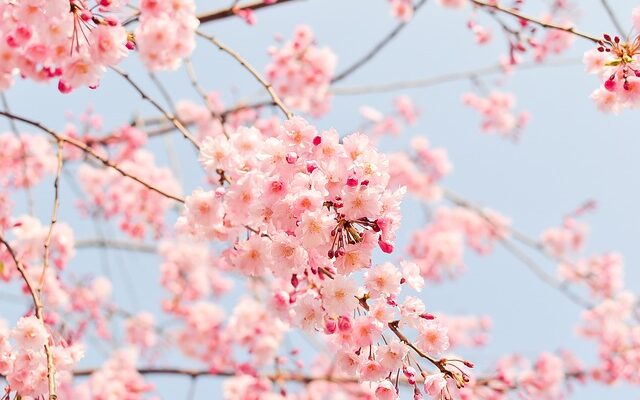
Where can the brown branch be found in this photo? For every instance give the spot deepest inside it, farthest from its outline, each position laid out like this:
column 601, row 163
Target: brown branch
column 54, row 216
column 38, row 308
column 515, row 13
column 175, row 121
column 376, row 48
column 612, row 16
column 196, row 373
column 267, row 86
column 193, row 77
column 88, row 150
column 445, row 78
column 515, row 251
column 115, row 244
column 231, row 11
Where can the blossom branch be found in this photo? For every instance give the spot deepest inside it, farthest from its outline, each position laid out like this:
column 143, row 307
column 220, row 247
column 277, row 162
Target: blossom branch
column 267, row 86
column 175, row 121
column 569, row 29
column 38, row 309
column 88, row 150
column 377, row 48
column 526, row 260
column 231, row 11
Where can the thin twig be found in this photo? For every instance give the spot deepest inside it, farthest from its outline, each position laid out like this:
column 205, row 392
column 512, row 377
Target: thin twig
column 377, row 47
column 251, row 70
column 88, row 150
column 193, row 77
column 612, row 16
column 54, row 216
column 115, row 244
column 569, row 29
column 175, row 121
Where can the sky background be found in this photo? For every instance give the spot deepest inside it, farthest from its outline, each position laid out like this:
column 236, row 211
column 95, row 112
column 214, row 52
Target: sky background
column 568, row 154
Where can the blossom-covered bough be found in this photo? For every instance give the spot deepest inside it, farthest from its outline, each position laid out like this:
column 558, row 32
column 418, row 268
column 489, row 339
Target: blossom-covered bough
column 295, row 212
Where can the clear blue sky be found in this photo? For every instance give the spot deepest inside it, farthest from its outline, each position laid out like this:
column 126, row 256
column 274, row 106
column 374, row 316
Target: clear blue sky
column 569, row 153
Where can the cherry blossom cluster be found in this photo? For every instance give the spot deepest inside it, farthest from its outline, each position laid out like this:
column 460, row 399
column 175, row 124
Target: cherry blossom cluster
column 617, row 62
column 421, row 173
column 498, row 115
column 28, row 238
column 377, row 123
column 138, row 208
column 439, row 248
column 25, row 159
column 23, row 362
column 301, row 72
column 72, row 41
column 166, row 32
column 118, row 378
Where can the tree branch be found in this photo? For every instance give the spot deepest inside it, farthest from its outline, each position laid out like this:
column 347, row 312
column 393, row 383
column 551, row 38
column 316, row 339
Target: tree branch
column 88, row 150
column 251, row 70
column 377, row 48
column 569, row 29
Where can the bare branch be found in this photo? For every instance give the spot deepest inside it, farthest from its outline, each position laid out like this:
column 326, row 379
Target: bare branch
column 175, row 121
column 267, row 86
column 612, row 16
column 116, row 244
column 54, row 216
column 445, row 78
column 376, row 48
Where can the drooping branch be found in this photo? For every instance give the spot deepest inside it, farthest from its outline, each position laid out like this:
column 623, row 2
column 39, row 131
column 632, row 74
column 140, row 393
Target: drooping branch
column 88, row 150
column 54, row 215
column 612, row 16
column 175, row 121
column 377, row 47
column 445, row 78
column 515, row 251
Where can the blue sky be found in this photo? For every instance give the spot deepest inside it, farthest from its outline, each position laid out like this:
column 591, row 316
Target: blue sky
column 568, row 154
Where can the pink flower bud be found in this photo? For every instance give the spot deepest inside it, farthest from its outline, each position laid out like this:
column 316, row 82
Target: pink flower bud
column 311, row 166
column 610, row 85
column 385, row 246
column 344, row 324
column 220, row 192
column 352, row 182
column 292, row 157
column 64, row 87
column 317, row 140
column 330, row 326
